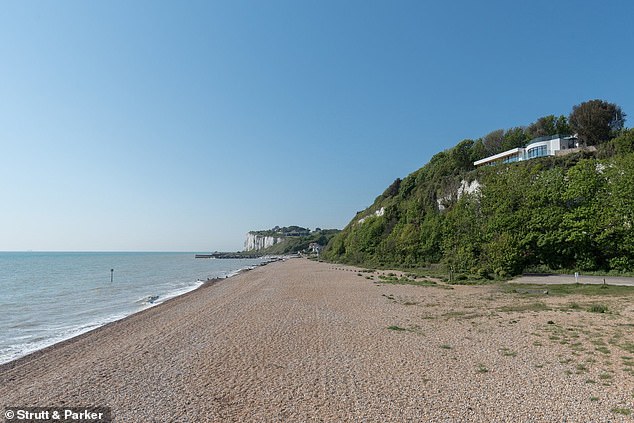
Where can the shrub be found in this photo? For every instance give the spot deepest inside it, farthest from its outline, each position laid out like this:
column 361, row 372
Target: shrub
column 598, row 308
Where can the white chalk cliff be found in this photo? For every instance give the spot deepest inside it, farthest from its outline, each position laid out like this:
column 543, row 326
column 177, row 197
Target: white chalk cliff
column 255, row 242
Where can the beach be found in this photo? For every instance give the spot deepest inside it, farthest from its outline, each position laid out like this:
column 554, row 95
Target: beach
column 300, row 340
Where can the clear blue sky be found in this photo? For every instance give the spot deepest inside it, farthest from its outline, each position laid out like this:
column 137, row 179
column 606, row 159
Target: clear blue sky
column 130, row 125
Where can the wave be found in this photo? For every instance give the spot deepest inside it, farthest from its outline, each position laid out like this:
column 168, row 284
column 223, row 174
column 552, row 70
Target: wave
column 15, row 351
column 150, row 299
column 31, row 343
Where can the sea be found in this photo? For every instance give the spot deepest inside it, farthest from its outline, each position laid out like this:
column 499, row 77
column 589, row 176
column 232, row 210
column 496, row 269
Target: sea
column 48, row 297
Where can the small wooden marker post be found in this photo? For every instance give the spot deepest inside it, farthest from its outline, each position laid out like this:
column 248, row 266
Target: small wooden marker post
column 111, row 275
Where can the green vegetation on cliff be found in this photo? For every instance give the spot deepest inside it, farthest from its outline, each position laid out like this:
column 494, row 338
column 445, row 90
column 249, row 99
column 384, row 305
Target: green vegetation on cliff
column 284, row 231
column 572, row 212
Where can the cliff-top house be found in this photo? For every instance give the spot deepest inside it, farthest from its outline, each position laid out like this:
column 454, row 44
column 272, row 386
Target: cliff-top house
column 552, row 145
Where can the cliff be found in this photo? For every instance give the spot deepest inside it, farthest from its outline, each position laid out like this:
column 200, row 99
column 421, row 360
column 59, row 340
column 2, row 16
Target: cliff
column 256, row 242
column 561, row 213
column 287, row 240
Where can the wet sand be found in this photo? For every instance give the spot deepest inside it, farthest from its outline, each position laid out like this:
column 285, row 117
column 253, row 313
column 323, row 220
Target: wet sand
column 306, row 341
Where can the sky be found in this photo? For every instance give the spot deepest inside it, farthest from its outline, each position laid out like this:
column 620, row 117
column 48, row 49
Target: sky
column 181, row 126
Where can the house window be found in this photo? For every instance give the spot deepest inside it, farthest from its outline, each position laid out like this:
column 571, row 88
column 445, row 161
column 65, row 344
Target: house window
column 511, row 159
column 540, row 151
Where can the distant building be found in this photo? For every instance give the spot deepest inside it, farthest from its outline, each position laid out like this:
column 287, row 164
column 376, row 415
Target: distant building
column 539, row 147
column 314, row 247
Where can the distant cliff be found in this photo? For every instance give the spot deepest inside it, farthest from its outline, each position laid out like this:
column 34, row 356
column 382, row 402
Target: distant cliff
column 255, row 242
column 286, row 240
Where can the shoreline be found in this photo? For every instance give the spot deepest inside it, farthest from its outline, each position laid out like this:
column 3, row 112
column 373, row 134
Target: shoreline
column 301, row 340
column 149, row 306
column 92, row 332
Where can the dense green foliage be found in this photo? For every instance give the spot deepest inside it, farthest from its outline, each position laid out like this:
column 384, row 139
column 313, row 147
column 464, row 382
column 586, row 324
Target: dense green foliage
column 284, row 231
column 572, row 212
column 621, row 145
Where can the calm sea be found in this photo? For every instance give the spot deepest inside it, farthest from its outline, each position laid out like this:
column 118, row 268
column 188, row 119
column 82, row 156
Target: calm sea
column 48, row 297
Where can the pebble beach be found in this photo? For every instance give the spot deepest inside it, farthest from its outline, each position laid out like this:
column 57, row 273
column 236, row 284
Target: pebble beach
column 303, row 341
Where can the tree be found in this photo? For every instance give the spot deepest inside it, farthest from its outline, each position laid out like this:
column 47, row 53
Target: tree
column 392, row 190
column 543, row 126
column 624, row 143
column 461, row 155
column 548, row 125
column 478, row 151
column 515, row 137
column 561, row 126
column 596, row 121
column 493, row 142
column 619, row 146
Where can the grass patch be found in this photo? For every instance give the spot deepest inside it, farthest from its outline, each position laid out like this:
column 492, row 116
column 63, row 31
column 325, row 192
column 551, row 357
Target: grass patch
column 581, row 368
column 396, row 328
column 508, row 353
column 598, row 308
column 464, row 315
column 470, row 280
column 605, row 376
column 482, row 369
column 445, row 346
column 393, row 279
column 628, row 346
column 568, row 289
column 577, row 346
column 603, row 349
column 536, row 306
column 622, row 410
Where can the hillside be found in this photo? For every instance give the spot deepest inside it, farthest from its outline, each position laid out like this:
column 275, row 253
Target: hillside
column 573, row 212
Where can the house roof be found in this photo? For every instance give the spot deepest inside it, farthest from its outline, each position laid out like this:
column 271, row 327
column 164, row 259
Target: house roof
column 498, row 156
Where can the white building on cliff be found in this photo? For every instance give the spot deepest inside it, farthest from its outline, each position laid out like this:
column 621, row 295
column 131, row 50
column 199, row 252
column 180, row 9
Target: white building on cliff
column 539, row 147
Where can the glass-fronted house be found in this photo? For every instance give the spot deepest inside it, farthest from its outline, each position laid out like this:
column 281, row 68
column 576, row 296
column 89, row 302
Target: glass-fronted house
column 538, row 147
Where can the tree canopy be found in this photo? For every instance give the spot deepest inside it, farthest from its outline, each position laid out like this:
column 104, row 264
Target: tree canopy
column 548, row 125
column 596, row 121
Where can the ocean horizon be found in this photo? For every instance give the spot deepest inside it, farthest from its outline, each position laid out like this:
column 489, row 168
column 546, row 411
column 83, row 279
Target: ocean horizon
column 49, row 296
